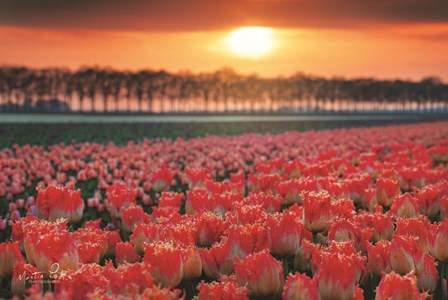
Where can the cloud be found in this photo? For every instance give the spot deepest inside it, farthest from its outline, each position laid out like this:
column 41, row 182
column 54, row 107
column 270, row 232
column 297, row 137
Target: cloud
column 205, row 15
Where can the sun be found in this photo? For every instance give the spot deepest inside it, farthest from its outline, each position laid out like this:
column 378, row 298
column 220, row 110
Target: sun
column 252, row 42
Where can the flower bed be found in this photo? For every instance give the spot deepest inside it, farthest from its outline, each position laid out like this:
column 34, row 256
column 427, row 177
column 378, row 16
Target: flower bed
column 336, row 214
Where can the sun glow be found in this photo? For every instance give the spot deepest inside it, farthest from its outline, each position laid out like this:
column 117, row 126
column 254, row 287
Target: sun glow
column 251, row 42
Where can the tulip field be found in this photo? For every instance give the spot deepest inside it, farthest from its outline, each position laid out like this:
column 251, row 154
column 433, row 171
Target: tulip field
column 347, row 213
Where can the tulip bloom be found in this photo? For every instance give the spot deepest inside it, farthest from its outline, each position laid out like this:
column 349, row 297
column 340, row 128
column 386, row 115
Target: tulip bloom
column 192, row 264
column 217, row 260
column 336, row 277
column 209, row 228
column 9, row 256
column 166, row 263
column 161, row 179
column 260, row 273
column 119, row 197
column 124, row 252
column 393, row 286
column 131, row 216
column 285, row 233
column 317, row 211
column 226, row 288
column 405, row 206
column 22, row 271
column 439, row 241
column 379, row 257
column 59, row 202
column 386, row 190
column 405, row 255
column 428, row 278
column 56, row 248
column 300, row 287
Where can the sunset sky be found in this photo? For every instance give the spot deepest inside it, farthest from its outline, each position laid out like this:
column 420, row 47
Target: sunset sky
column 352, row 38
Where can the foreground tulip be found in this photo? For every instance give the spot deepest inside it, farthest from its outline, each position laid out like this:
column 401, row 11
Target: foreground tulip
column 226, row 288
column 405, row 255
column 125, row 253
column 285, row 234
column 336, row 277
column 439, row 241
column 428, row 278
column 59, row 202
column 379, row 257
column 209, row 228
column 166, row 263
column 217, row 260
column 9, row 256
column 22, row 272
column 260, row 273
column 395, row 287
column 300, row 287
column 56, row 251
column 192, row 263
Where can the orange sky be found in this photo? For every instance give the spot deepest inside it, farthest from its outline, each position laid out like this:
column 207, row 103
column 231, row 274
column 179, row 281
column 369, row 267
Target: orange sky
column 409, row 45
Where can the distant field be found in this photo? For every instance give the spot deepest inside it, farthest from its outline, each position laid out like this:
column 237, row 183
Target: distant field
column 51, row 129
column 81, row 118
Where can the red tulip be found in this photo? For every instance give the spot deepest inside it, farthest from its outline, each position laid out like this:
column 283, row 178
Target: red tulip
column 144, row 233
column 171, row 199
column 113, row 238
column 383, row 227
column 395, row 287
column 162, row 179
column 196, row 178
column 91, row 243
column 418, row 227
column 405, row 206
column 439, row 241
column 444, row 208
column 209, row 228
column 285, row 233
column 59, row 202
column 428, row 199
column 77, row 284
column 131, row 216
column 55, row 250
column 379, row 257
column 21, row 273
column 300, row 287
column 119, row 197
column 386, row 190
column 192, row 264
column 428, row 278
column 124, row 252
column 9, row 256
column 304, row 254
column 344, row 230
column 135, row 275
column 226, row 288
column 217, row 260
column 336, row 277
column 260, row 273
column 405, row 255
column 166, row 263
column 317, row 211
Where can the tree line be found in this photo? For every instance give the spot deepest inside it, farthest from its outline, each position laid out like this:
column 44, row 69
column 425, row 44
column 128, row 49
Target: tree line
column 95, row 89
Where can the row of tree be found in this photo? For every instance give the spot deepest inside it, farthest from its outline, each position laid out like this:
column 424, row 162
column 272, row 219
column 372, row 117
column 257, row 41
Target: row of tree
column 94, row 89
